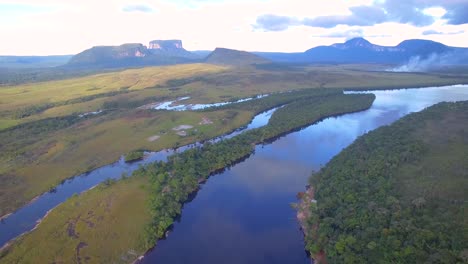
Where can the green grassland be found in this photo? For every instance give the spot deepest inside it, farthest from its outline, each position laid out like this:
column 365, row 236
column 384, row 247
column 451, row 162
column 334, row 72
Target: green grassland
column 203, row 82
column 397, row 194
column 100, row 226
column 32, row 165
column 43, row 142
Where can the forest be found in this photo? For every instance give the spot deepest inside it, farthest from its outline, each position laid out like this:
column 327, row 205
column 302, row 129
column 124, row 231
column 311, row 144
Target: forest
column 396, row 195
column 172, row 182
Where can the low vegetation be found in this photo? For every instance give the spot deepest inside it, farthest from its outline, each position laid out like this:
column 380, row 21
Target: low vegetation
column 103, row 225
column 43, row 153
column 397, row 194
column 134, row 155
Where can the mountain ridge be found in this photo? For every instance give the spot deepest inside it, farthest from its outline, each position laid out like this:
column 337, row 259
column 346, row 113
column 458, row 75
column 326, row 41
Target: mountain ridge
column 360, row 50
column 224, row 56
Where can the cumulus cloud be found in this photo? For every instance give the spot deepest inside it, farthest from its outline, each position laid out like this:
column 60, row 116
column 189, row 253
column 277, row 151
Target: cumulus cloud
column 457, row 15
column 275, row 23
column 138, row 8
column 399, row 11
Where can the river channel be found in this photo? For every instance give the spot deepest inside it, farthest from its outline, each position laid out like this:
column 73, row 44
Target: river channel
column 244, row 215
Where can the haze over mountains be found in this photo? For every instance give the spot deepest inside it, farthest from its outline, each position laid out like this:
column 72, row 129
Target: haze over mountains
column 409, row 53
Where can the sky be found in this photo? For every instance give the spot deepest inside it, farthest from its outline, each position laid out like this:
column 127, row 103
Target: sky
column 53, row 27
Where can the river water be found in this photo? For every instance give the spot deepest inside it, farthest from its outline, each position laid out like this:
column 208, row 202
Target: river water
column 26, row 218
column 243, row 215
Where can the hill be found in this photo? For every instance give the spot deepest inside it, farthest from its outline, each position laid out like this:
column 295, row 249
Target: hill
column 397, row 194
column 231, row 57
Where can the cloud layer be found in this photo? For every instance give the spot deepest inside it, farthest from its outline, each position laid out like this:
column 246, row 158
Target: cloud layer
column 400, row 11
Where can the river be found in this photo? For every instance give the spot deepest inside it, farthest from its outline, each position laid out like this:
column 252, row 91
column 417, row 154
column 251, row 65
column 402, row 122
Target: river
column 243, row 215
column 27, row 217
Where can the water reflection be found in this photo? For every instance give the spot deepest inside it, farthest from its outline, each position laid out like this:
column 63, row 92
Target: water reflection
column 244, row 216
column 174, row 106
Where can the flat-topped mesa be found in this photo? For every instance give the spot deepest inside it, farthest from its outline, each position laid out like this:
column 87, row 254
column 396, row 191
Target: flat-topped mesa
column 165, row 44
column 170, row 48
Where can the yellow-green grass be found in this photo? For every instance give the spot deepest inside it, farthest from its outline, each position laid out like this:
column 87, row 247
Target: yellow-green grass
column 13, row 97
column 100, row 141
column 6, row 123
column 204, row 83
column 103, row 225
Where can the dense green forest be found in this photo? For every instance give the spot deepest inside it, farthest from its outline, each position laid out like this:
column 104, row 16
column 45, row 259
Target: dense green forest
column 397, row 194
column 172, row 182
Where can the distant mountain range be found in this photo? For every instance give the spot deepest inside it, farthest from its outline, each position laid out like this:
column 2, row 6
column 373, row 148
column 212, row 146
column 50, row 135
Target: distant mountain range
column 166, row 52
column 359, row 50
column 16, row 62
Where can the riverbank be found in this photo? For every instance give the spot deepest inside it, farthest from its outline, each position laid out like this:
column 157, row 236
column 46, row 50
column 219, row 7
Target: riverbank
column 336, row 104
column 397, row 194
column 102, row 225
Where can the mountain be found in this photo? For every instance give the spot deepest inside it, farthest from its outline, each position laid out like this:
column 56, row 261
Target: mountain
column 171, row 48
column 127, row 55
column 231, row 57
column 359, row 50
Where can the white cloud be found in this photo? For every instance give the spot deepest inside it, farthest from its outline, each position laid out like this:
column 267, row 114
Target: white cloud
column 76, row 25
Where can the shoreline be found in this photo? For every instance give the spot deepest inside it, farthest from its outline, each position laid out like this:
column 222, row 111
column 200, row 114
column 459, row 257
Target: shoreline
column 265, row 141
column 9, row 242
column 307, row 199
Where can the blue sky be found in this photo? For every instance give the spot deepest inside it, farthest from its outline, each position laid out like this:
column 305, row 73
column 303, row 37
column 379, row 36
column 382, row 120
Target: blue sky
column 32, row 27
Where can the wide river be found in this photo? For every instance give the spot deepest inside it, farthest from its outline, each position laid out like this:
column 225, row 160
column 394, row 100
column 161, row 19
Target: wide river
column 243, row 215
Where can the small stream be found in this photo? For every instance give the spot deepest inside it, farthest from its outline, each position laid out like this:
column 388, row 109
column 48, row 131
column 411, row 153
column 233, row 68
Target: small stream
column 27, row 217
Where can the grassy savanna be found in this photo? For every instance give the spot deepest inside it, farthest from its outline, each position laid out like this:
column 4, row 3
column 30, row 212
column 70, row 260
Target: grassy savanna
column 203, row 82
column 167, row 187
column 45, row 95
column 397, row 194
column 102, row 225
column 37, row 162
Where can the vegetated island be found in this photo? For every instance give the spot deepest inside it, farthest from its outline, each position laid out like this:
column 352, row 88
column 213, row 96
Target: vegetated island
column 80, row 228
column 396, row 195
